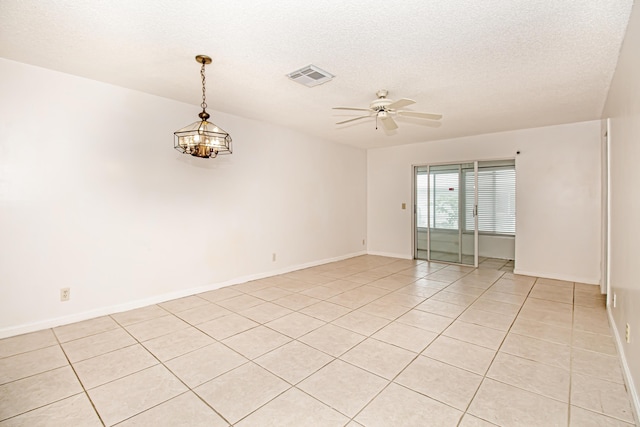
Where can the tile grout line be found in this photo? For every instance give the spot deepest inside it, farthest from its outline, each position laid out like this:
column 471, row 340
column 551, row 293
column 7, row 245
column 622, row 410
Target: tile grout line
column 84, row 390
column 217, row 341
column 331, row 361
column 366, row 337
column 135, row 339
column 571, row 373
column 413, row 360
column 338, row 358
column 484, row 377
column 189, row 389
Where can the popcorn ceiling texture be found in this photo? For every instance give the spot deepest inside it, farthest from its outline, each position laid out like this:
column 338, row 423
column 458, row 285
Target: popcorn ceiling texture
column 487, row 66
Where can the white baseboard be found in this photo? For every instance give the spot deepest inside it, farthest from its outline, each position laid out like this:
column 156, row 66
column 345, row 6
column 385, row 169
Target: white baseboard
column 626, row 372
column 156, row 299
column 565, row 277
column 390, row 255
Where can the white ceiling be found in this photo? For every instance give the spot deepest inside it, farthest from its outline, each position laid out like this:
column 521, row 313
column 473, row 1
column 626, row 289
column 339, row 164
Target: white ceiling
column 487, row 66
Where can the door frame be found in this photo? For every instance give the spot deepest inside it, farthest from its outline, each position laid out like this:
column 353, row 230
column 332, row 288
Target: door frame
column 414, row 216
column 413, row 225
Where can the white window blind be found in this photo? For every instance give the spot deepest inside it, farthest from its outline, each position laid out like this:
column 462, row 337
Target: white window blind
column 422, row 179
column 496, row 200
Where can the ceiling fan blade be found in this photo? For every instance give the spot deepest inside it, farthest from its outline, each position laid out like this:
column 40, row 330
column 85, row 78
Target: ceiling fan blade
column 400, row 103
column 388, row 123
column 419, row 114
column 352, row 120
column 350, row 108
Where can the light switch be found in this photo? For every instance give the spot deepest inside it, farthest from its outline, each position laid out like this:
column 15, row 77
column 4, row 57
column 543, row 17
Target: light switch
column 404, row 206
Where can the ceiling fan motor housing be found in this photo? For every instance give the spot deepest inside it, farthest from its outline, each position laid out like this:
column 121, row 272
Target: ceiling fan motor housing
column 380, row 104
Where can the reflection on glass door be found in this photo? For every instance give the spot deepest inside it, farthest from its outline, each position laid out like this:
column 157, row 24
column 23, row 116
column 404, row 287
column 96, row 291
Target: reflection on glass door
column 443, row 231
column 444, row 213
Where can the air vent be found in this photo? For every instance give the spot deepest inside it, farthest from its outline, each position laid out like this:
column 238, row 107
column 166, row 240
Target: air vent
column 310, row 76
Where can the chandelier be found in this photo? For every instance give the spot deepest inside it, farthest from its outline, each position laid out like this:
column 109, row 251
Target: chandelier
column 203, row 138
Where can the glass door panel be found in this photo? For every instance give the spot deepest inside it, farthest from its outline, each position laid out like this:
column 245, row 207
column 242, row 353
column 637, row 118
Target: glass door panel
column 468, row 214
column 421, row 212
column 442, row 229
column 444, row 207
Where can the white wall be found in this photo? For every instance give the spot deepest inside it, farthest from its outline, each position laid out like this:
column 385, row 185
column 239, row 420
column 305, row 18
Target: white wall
column 623, row 107
column 94, row 197
column 557, row 195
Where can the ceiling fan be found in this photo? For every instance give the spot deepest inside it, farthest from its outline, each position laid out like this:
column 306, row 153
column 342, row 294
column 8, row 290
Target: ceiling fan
column 384, row 109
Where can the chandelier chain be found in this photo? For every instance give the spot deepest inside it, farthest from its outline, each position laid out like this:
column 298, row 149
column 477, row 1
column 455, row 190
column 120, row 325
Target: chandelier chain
column 204, row 93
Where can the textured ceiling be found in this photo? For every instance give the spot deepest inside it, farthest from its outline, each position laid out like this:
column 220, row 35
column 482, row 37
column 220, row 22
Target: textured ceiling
column 487, row 66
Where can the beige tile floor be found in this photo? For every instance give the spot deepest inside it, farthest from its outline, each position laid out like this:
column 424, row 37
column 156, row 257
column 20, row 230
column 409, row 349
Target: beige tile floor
column 369, row 341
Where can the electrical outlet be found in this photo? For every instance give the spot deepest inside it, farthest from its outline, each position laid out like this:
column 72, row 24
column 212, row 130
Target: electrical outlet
column 627, row 333
column 615, row 300
column 273, row 257
column 362, row 242
column 65, row 294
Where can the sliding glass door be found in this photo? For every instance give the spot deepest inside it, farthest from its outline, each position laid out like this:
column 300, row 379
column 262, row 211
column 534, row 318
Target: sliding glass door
column 464, row 210
column 444, row 232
